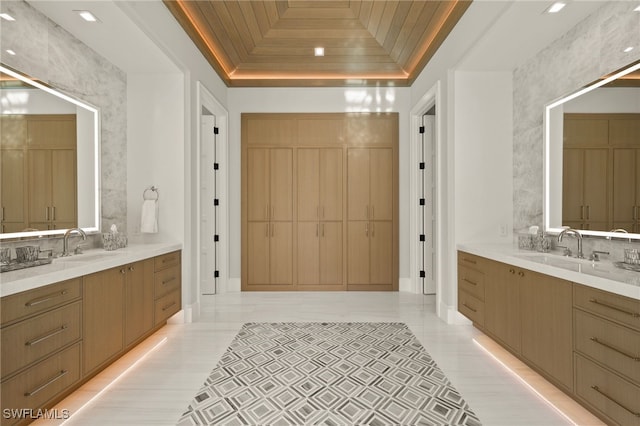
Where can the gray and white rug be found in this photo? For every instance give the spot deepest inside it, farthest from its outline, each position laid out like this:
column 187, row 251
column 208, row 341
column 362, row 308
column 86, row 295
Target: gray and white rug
column 327, row 374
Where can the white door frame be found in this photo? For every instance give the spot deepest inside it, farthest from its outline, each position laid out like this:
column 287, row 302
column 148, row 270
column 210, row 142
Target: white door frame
column 431, row 98
column 207, row 100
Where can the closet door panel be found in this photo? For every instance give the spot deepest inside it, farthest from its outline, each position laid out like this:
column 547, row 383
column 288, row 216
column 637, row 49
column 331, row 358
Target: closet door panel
column 308, row 252
column 331, row 257
column 39, row 185
column 13, row 186
column 63, row 188
column 624, row 186
column 381, row 172
column 331, row 183
column 596, row 166
column 281, row 184
column 572, row 184
column 381, row 252
column 358, row 252
column 308, row 184
column 258, row 252
column 358, row 184
column 258, row 184
column 281, row 253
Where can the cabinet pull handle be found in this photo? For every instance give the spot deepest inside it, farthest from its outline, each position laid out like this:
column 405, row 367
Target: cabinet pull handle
column 615, row 308
column 168, row 306
column 168, row 280
column 44, row 385
column 123, row 271
column 595, row 388
column 167, row 259
column 520, row 274
column 512, row 271
column 266, row 230
column 46, row 213
column 465, row 259
column 131, row 268
column 613, row 348
column 43, row 299
column 323, row 229
column 53, row 213
column 469, row 281
column 46, row 336
column 469, row 307
column 366, row 229
column 373, row 229
column 588, row 212
column 273, row 227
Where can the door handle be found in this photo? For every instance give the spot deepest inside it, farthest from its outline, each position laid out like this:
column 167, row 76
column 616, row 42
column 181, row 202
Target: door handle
column 323, row 229
column 53, row 210
column 366, row 229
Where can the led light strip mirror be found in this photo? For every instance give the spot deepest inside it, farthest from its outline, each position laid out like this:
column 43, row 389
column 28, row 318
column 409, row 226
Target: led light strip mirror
column 553, row 152
column 21, row 99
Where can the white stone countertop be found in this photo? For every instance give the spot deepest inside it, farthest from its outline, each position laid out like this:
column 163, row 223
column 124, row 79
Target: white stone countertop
column 603, row 275
column 64, row 268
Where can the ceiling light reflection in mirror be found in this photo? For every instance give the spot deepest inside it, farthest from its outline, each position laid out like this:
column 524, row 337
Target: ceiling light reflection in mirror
column 15, row 101
column 552, row 200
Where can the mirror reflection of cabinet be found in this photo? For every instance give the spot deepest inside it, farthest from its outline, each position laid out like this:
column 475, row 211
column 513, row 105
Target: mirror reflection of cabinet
column 38, row 172
column 601, row 172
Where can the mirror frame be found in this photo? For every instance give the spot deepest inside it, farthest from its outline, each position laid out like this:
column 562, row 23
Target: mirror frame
column 547, row 155
column 95, row 228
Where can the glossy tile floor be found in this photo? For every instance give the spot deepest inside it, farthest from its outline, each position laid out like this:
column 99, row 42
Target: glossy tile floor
column 157, row 389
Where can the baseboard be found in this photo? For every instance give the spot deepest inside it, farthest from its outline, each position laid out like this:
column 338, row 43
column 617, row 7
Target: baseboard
column 188, row 314
column 406, row 286
column 233, row 286
column 450, row 315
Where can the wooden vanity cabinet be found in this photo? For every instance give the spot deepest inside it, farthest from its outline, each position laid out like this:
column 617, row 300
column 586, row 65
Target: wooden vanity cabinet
column 503, row 303
column 471, row 287
column 56, row 337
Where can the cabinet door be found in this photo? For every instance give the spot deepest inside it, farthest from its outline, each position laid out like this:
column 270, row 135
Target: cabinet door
column 281, row 189
column 281, row 253
column 572, row 184
column 258, row 252
column 308, row 205
column 547, row 339
column 258, row 184
column 502, row 302
column 585, row 131
column 358, row 252
column 331, row 253
column 103, row 307
column 381, row 190
column 330, row 184
column 63, row 188
column 39, row 185
column 51, row 131
column 13, row 186
column 13, row 131
column 381, row 254
column 596, row 166
column 358, row 184
column 308, row 252
column 624, row 187
column 139, row 300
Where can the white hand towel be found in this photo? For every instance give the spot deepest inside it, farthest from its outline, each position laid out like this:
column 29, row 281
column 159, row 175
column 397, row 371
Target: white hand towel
column 149, row 222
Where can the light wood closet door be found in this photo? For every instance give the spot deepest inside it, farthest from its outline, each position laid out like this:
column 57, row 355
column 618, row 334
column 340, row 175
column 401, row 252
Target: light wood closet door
column 358, row 259
column 331, row 184
column 309, row 253
column 596, row 174
column 63, row 188
column 358, row 183
column 258, row 184
column 13, row 186
column 281, row 253
column 281, row 184
column 381, row 187
column 308, row 184
column 625, row 187
column 258, row 239
column 39, row 186
column 331, row 257
column 381, row 254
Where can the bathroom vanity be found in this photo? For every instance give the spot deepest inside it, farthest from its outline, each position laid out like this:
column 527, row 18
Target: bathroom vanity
column 63, row 323
column 576, row 322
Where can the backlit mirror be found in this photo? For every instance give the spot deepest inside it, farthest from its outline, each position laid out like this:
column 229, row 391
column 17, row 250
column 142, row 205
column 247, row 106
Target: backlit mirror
column 592, row 158
column 49, row 159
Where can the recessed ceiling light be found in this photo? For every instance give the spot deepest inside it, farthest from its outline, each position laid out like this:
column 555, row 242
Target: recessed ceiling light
column 628, row 49
column 318, row 51
column 556, row 7
column 86, row 15
column 637, row 9
column 10, row 52
column 7, row 17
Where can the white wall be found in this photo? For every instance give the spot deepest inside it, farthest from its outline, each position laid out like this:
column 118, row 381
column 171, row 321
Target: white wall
column 155, row 152
column 282, row 100
column 483, row 156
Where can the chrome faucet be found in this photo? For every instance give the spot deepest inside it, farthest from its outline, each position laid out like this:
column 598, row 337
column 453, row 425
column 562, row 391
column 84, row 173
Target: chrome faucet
column 65, row 240
column 575, row 233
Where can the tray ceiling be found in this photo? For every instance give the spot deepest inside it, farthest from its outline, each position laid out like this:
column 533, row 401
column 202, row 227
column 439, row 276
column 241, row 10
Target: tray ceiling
column 271, row 43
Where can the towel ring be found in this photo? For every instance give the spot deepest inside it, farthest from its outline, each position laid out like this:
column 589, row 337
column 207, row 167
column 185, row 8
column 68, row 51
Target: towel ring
column 147, row 196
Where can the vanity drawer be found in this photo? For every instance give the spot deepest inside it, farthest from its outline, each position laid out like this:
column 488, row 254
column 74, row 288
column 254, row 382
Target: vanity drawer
column 471, row 281
column 614, row 397
column 33, row 388
column 471, row 260
column 166, row 306
column 167, row 280
column 471, row 307
column 615, row 346
column 36, row 338
column 167, row 260
column 612, row 306
column 32, row 302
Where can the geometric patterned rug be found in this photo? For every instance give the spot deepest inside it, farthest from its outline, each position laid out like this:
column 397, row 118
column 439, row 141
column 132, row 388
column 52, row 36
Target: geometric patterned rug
column 330, row 374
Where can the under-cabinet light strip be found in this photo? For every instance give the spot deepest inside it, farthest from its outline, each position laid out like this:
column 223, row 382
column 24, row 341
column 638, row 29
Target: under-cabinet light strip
column 114, row 381
column 524, row 382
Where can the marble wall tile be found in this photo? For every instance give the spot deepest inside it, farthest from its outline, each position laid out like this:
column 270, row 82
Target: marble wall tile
column 50, row 53
column 585, row 53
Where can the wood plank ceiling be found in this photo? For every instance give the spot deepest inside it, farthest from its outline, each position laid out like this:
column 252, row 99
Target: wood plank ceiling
column 271, row 43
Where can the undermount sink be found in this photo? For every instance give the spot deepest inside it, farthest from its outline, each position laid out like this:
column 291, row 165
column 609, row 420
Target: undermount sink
column 601, row 268
column 86, row 257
